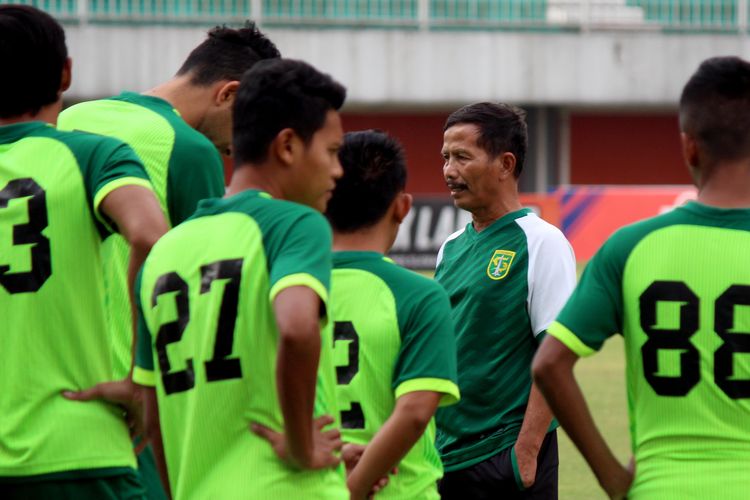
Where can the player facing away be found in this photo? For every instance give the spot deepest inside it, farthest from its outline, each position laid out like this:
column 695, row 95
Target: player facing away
column 393, row 333
column 677, row 287
column 232, row 302
column 508, row 274
column 176, row 129
column 61, row 194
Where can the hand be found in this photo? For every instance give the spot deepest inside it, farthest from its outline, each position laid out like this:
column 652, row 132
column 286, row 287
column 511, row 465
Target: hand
column 123, row 393
column 617, row 483
column 325, row 444
column 350, row 454
column 526, row 459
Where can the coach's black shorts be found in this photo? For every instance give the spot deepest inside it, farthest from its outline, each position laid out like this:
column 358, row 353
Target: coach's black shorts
column 498, row 478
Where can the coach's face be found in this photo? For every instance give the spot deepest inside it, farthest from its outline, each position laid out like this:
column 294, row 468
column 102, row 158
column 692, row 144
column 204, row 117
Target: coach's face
column 474, row 179
column 319, row 165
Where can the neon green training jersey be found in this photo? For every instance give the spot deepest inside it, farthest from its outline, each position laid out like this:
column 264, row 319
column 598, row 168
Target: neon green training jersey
column 208, row 342
column 183, row 165
column 393, row 335
column 678, row 289
column 52, row 300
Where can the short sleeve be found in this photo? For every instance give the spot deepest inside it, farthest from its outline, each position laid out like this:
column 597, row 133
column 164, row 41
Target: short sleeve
column 594, row 311
column 427, row 358
column 143, row 374
column 196, row 173
column 303, row 256
column 106, row 164
column 552, row 269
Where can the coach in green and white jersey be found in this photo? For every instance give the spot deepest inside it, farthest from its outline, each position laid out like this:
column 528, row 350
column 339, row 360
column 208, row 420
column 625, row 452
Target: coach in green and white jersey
column 507, row 273
column 177, row 129
column 232, row 303
column 677, row 287
column 61, row 193
column 393, row 335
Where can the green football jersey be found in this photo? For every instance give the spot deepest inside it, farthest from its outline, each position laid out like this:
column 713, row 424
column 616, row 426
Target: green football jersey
column 184, row 167
column 392, row 335
column 677, row 287
column 206, row 294
column 506, row 285
column 51, row 294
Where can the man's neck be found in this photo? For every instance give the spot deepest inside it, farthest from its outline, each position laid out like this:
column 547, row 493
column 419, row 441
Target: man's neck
column 47, row 114
column 255, row 177
column 727, row 186
column 484, row 217
column 189, row 100
column 374, row 239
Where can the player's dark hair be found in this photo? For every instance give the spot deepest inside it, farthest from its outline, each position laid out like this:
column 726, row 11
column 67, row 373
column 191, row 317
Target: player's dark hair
column 502, row 129
column 227, row 53
column 277, row 94
column 32, row 55
column 715, row 108
column 374, row 173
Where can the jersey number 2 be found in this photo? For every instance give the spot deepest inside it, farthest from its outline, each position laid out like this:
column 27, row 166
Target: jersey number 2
column 679, row 339
column 29, row 233
column 220, row 366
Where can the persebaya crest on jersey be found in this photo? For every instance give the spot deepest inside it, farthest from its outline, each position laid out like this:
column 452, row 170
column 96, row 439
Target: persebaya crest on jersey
column 499, row 265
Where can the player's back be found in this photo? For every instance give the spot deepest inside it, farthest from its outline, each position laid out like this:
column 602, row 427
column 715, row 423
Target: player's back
column 184, row 168
column 51, row 295
column 393, row 335
column 686, row 323
column 206, row 294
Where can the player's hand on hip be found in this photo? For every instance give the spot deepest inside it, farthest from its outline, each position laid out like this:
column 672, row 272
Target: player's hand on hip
column 526, row 459
column 123, row 393
column 325, row 443
column 618, row 482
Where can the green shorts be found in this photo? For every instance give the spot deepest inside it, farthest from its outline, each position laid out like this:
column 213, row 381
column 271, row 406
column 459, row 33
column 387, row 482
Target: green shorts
column 123, row 486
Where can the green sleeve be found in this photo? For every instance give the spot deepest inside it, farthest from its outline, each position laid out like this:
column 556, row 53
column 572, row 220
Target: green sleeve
column 196, row 172
column 144, row 357
column 427, row 358
column 106, row 165
column 594, row 311
column 302, row 255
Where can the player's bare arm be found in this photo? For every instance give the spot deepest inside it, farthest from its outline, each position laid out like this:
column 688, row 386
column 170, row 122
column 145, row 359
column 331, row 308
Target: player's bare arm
column 305, row 443
column 536, row 422
column 153, row 434
column 553, row 373
column 399, row 433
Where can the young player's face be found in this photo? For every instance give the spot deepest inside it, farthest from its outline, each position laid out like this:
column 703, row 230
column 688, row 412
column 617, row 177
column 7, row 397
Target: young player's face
column 319, row 165
column 470, row 174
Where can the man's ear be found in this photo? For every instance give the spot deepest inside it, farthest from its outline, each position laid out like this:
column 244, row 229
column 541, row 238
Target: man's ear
column 690, row 150
column 507, row 165
column 401, row 206
column 226, row 92
column 285, row 146
column 67, row 75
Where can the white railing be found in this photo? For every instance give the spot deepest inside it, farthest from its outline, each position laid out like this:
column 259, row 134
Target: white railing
column 676, row 15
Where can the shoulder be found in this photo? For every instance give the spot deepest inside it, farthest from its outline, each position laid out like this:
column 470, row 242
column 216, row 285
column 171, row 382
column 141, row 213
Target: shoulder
column 411, row 290
column 540, row 232
column 625, row 239
column 89, row 147
column 452, row 238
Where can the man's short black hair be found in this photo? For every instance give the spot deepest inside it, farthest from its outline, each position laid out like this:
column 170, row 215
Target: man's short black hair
column 227, row 53
column 715, row 108
column 374, row 173
column 277, row 94
column 502, row 129
column 32, row 55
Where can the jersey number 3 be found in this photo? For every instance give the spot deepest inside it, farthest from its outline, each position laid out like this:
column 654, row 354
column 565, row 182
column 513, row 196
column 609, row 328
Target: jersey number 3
column 679, row 339
column 220, row 366
column 29, row 233
column 343, row 331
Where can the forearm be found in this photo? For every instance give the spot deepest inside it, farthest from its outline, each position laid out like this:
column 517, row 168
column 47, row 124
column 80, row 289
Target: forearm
column 565, row 399
column 296, row 376
column 536, row 422
column 137, row 257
